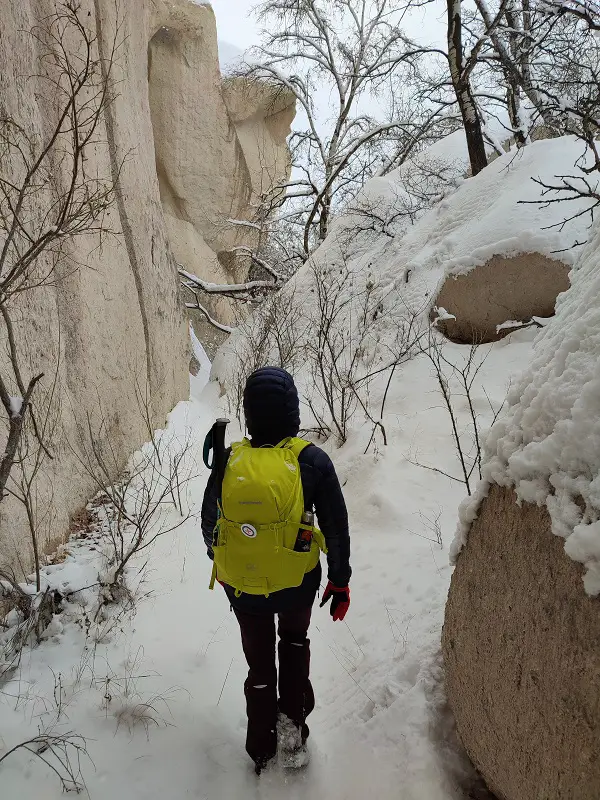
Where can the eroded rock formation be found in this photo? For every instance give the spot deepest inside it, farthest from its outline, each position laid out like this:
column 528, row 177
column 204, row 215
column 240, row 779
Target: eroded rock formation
column 220, row 146
column 185, row 153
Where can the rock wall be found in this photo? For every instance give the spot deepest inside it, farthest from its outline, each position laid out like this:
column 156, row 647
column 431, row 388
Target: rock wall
column 220, row 146
column 108, row 330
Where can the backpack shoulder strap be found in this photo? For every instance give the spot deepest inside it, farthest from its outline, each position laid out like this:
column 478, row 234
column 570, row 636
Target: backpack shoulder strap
column 295, row 444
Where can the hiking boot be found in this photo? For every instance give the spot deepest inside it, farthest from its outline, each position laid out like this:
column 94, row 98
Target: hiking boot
column 261, row 764
column 294, row 759
column 293, row 752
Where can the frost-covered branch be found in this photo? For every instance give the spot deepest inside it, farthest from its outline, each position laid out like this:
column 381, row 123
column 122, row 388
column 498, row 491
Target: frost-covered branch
column 197, row 306
column 585, row 10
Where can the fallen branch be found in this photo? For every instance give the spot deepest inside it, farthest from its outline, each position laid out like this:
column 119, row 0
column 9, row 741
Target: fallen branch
column 226, row 288
column 199, row 307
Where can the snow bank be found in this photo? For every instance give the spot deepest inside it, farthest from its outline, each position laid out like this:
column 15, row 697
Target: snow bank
column 490, row 214
column 493, row 213
column 548, row 444
column 199, row 381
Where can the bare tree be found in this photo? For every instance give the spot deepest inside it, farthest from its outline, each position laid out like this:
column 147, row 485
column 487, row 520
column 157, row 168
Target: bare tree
column 274, row 334
column 33, row 452
column 346, row 351
column 155, row 481
column 546, row 56
column 355, row 49
column 456, row 383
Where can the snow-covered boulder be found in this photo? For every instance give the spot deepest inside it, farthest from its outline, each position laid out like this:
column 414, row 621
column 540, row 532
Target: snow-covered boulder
column 522, row 654
column 489, row 249
column 489, row 301
column 522, row 630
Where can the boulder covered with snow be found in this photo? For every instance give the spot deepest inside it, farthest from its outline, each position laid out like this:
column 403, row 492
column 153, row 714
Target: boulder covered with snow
column 522, row 630
column 488, row 250
column 487, row 302
column 522, row 653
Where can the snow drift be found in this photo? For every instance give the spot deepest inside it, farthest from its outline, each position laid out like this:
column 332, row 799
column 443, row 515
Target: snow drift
column 498, row 212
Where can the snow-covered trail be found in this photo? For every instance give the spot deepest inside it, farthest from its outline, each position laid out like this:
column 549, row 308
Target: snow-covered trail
column 379, row 728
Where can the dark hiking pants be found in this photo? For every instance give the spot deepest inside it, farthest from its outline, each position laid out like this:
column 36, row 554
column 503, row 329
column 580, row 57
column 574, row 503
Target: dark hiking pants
column 296, row 698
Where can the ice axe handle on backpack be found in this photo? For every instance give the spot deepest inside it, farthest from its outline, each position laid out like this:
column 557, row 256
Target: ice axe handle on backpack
column 219, row 450
column 214, row 443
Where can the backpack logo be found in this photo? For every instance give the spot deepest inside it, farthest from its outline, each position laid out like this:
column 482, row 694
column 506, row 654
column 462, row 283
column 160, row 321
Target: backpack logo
column 248, row 530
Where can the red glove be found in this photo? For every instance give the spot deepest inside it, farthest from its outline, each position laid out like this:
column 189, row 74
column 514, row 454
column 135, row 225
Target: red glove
column 340, row 600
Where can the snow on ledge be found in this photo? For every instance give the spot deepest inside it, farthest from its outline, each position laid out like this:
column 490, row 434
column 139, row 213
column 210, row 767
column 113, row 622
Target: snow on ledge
column 547, row 445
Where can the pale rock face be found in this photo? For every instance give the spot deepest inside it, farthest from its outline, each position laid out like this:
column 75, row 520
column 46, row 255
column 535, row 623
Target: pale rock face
column 220, row 145
column 113, row 330
column 113, row 327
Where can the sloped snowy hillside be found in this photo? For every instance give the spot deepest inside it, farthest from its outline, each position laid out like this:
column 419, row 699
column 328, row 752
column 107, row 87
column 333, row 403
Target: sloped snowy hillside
column 491, row 214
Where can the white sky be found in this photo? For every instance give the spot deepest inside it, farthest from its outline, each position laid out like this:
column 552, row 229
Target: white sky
column 236, row 26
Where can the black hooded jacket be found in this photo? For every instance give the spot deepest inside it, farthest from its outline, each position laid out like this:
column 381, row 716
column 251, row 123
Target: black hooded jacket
column 272, row 413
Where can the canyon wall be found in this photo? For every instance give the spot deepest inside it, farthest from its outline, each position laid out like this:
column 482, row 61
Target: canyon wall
column 105, row 323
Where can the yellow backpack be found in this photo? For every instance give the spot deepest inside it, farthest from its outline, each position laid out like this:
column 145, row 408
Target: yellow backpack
column 259, row 517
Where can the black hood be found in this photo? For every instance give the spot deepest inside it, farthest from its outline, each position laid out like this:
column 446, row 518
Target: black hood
column 271, row 406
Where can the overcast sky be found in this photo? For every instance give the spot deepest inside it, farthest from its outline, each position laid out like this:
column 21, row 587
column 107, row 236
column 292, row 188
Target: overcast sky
column 237, row 26
column 234, row 24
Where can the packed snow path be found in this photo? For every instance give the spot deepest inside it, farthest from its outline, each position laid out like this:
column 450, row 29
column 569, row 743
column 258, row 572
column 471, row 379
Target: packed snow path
column 160, row 700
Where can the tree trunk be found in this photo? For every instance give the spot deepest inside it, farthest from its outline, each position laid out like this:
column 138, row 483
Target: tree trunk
column 513, row 103
column 462, row 88
column 513, row 91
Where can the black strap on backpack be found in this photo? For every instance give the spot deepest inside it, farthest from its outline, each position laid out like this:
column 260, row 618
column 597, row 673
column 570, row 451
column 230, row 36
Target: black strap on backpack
column 215, row 443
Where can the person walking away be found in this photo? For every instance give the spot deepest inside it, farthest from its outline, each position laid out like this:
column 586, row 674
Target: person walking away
column 271, row 567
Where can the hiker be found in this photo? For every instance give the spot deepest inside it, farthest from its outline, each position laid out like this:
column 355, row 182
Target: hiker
column 272, row 414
